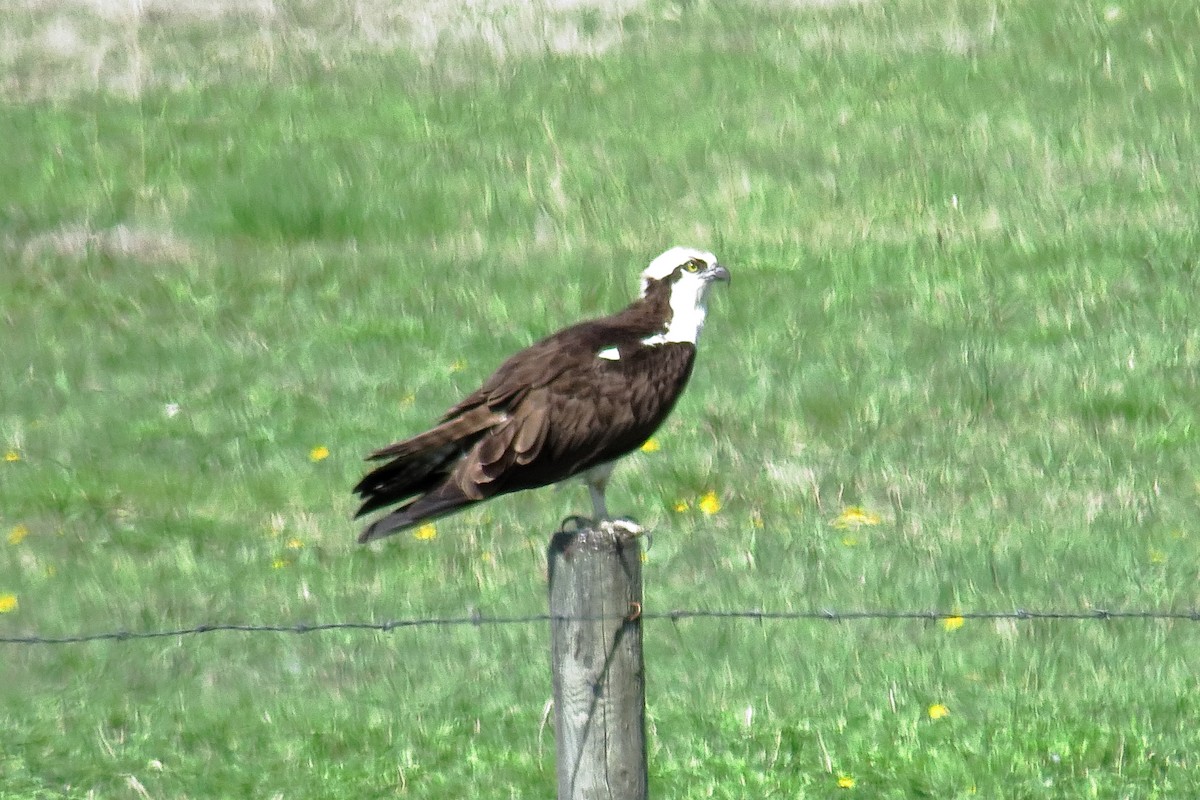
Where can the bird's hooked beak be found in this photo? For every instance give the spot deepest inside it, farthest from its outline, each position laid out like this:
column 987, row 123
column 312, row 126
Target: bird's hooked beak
column 718, row 274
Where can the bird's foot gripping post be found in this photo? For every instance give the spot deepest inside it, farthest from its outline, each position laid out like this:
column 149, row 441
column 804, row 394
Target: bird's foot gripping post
column 576, row 523
column 620, row 527
column 596, row 661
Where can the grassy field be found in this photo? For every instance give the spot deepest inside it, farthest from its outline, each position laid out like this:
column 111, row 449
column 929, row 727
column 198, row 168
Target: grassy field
column 241, row 246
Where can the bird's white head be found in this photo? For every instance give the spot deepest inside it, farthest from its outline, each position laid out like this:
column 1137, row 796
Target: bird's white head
column 688, row 273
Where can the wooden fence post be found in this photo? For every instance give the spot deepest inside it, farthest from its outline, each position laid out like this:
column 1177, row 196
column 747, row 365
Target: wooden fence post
column 596, row 660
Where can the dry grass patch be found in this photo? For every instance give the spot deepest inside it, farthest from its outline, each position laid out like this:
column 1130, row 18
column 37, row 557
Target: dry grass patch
column 124, row 242
column 65, row 47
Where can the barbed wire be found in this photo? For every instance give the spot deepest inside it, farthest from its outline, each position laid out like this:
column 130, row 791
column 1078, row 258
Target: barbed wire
column 478, row 619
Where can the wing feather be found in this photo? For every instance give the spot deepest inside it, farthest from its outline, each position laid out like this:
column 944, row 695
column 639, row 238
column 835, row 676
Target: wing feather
column 494, row 453
column 589, row 414
column 534, row 425
column 453, row 429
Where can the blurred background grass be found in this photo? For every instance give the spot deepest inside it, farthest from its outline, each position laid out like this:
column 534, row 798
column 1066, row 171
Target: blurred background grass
column 964, row 254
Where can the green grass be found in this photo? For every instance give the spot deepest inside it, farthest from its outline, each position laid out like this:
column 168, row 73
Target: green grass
column 964, row 254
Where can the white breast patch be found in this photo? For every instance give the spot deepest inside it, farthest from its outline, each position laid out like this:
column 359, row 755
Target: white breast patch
column 611, row 353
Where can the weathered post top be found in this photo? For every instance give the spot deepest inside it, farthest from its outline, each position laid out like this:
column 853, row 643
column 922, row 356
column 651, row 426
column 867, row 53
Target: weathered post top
column 596, row 660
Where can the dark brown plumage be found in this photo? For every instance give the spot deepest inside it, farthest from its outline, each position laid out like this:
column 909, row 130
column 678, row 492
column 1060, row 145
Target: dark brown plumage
column 572, row 402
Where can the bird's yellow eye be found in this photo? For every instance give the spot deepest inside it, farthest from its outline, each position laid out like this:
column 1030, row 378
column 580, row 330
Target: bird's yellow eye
column 692, row 266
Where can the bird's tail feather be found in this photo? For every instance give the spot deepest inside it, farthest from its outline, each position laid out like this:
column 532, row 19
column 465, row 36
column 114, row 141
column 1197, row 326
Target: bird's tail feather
column 436, row 504
column 404, row 477
column 415, row 471
column 417, row 465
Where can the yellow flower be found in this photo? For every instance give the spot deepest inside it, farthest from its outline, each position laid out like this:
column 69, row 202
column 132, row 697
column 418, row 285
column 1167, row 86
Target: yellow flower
column 294, row 544
column 279, row 563
column 710, row 503
column 651, row 445
column 856, row 516
column 937, row 711
column 8, row 602
column 486, row 557
column 680, row 507
column 846, row 782
column 17, row 534
column 426, row 532
column 756, row 520
column 458, row 366
column 319, row 453
column 11, row 456
column 1157, row 556
column 952, row 623
column 850, row 541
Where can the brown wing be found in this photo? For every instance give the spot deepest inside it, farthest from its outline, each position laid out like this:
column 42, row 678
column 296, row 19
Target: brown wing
column 454, row 429
column 571, row 351
column 533, row 368
column 591, row 411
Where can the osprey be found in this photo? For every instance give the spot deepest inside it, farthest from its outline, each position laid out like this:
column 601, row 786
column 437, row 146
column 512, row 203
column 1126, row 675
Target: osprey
column 569, row 405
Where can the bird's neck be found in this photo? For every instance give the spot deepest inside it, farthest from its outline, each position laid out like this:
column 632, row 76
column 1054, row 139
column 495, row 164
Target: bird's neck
column 670, row 317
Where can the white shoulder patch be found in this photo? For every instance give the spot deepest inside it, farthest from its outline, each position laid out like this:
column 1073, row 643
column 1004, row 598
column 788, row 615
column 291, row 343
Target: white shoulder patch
column 611, row 353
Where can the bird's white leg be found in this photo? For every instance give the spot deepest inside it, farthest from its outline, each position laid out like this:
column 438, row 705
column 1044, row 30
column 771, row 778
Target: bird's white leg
column 597, row 481
column 596, row 491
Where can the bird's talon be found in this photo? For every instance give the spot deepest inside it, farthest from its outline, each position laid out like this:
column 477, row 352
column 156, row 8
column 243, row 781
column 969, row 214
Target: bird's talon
column 626, row 528
column 635, row 611
column 574, row 524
